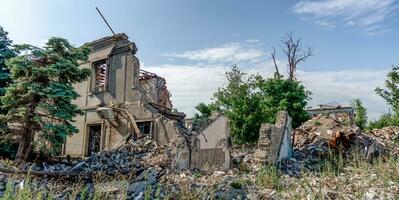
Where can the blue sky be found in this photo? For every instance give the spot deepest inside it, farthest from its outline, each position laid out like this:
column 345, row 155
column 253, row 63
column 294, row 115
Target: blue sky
column 192, row 43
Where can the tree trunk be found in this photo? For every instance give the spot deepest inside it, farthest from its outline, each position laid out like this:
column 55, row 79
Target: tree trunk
column 25, row 146
column 25, row 143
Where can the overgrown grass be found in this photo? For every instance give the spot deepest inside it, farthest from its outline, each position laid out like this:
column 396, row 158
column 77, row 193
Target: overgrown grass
column 269, row 177
column 332, row 164
column 346, row 178
column 70, row 189
column 187, row 193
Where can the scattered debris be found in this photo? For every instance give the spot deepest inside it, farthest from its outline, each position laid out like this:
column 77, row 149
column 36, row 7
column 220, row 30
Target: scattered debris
column 335, row 135
column 389, row 136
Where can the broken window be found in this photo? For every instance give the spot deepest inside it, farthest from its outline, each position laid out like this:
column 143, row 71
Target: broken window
column 100, row 76
column 144, row 127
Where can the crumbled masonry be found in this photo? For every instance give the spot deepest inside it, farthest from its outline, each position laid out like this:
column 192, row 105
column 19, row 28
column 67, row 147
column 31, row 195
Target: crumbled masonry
column 146, row 164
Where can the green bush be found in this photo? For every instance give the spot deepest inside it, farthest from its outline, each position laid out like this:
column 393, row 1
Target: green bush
column 250, row 100
column 384, row 121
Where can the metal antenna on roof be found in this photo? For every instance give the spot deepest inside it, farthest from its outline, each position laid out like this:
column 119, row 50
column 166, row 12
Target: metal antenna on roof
column 99, row 12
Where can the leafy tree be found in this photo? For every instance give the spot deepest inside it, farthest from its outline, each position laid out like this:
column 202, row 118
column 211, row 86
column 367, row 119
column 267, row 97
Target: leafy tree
column 283, row 94
column 205, row 111
column 361, row 113
column 240, row 103
column 250, row 101
column 391, row 93
column 6, row 52
column 39, row 99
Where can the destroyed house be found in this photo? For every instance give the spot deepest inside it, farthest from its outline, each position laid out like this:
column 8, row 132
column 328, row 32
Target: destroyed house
column 120, row 101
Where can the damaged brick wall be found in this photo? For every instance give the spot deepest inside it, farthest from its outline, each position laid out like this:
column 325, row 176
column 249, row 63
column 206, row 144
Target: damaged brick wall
column 274, row 142
column 155, row 89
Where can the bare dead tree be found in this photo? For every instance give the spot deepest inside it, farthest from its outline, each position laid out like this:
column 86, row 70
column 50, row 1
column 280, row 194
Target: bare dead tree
column 294, row 52
column 273, row 55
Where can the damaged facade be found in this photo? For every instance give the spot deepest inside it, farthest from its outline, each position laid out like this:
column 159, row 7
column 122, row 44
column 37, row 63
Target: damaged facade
column 120, row 101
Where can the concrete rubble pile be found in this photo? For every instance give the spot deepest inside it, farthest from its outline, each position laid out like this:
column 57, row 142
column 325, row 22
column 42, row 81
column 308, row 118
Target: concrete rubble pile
column 324, row 131
column 151, row 173
column 142, row 159
column 389, row 136
column 323, row 136
column 123, row 160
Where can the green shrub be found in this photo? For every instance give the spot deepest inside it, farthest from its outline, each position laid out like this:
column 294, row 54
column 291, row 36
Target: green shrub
column 384, row 121
column 239, row 183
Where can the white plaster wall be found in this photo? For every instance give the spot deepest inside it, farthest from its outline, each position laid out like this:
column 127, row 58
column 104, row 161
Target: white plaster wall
column 215, row 132
column 286, row 147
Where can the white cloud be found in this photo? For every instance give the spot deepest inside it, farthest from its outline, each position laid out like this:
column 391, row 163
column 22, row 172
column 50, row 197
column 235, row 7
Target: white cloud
column 343, row 86
column 191, row 84
column 360, row 13
column 252, row 41
column 196, row 82
column 328, row 24
column 232, row 52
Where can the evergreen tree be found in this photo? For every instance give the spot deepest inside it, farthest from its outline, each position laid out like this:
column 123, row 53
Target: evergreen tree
column 361, row 113
column 5, row 53
column 39, row 99
column 7, row 146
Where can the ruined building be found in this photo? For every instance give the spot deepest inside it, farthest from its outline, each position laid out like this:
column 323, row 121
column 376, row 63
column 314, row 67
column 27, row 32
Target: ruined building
column 120, row 101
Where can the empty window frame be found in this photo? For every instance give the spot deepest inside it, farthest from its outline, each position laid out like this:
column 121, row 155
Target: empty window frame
column 100, row 78
column 145, row 127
